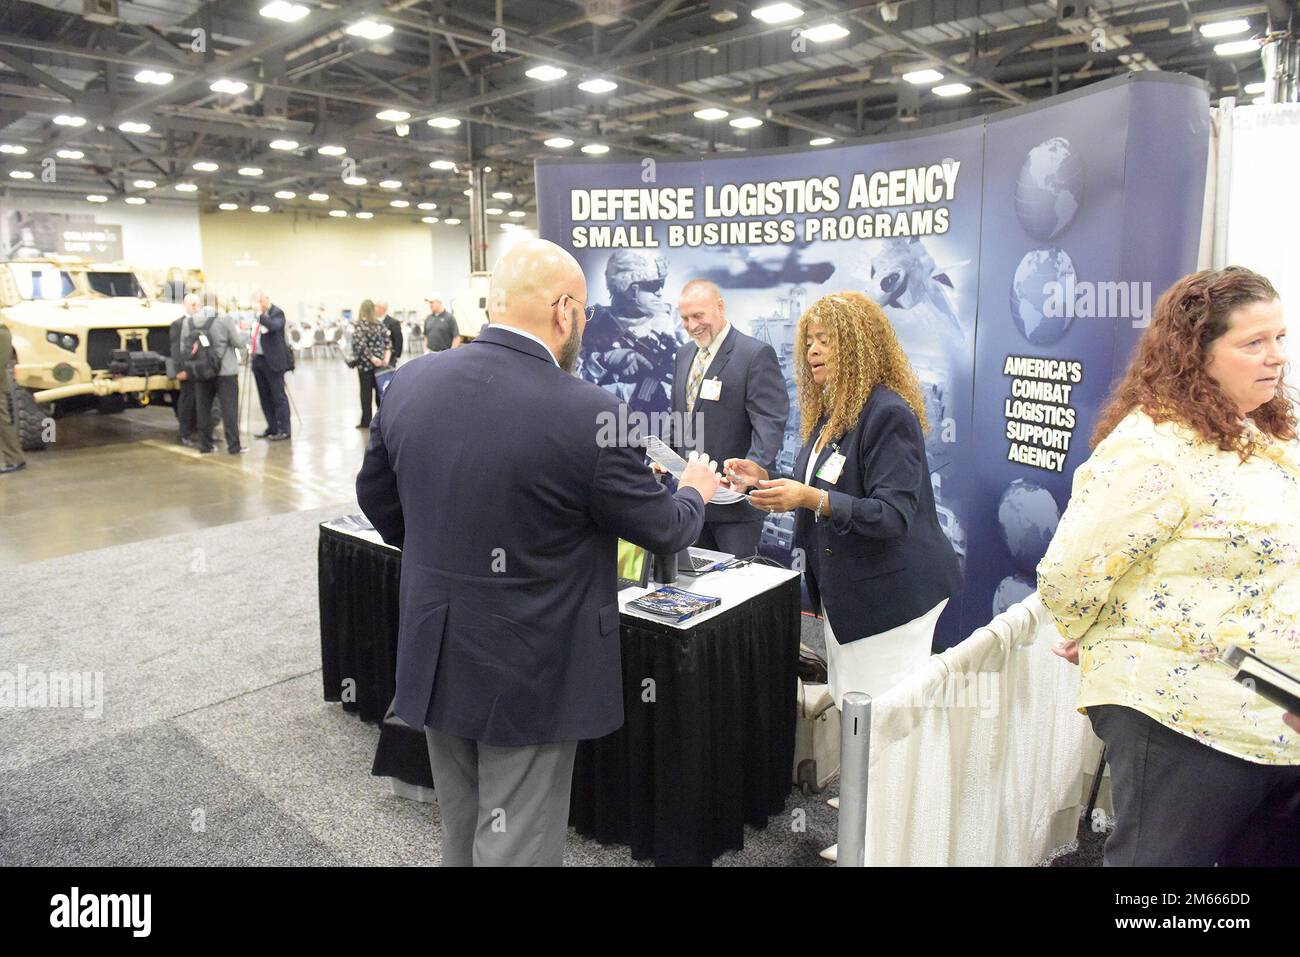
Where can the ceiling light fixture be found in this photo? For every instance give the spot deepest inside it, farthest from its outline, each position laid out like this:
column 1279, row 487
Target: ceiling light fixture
column 598, row 85
column 826, row 32
column 428, row 219
column 67, row 119
column 546, row 73
column 355, row 180
column 70, row 154
column 1224, row 28
column 228, row 207
column 186, row 188
column 318, row 197
column 228, row 87
column 1236, row 47
column 260, row 208
column 442, row 164
column 339, row 213
column 596, row 149
column 21, row 174
column 400, row 203
column 1254, row 89
column 559, row 142
column 369, row 29
column 711, row 113
column 364, row 214
column 205, row 166
column 443, row 122
column 250, row 171
column 494, row 211
column 452, row 221
column 923, row 77
column 130, row 126
column 284, row 11
column 501, row 194
column 427, row 206
column 332, row 150
column 283, row 144
column 516, row 214
column 393, row 116
column 776, row 12
column 390, row 184
column 156, row 77
column 821, row 141
column 285, row 194
column 136, row 200
column 144, row 184
column 746, row 122
column 96, row 198
column 951, row 89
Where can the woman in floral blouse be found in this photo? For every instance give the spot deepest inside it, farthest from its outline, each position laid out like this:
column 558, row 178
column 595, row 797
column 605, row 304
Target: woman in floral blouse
column 1182, row 537
column 372, row 350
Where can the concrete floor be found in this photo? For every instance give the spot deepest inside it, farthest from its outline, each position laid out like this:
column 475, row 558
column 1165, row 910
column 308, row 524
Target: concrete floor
column 110, row 479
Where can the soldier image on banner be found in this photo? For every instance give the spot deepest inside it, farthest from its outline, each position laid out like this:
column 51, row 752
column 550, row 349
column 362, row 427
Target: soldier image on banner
column 630, row 345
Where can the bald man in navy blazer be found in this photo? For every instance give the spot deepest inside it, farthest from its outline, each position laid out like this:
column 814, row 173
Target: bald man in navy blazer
column 731, row 387
column 490, row 466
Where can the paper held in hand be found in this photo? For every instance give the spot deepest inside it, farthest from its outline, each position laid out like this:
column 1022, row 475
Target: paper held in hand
column 661, row 454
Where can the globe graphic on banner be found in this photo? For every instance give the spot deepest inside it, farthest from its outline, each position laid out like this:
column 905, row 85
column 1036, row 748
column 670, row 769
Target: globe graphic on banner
column 1028, row 517
column 1049, row 188
column 1039, row 290
column 1012, row 589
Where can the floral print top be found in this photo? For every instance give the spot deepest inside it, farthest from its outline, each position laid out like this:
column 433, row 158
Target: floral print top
column 370, row 340
column 1170, row 551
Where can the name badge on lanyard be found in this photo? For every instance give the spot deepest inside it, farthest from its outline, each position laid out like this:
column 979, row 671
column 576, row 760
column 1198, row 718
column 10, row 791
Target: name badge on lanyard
column 833, row 466
column 711, row 389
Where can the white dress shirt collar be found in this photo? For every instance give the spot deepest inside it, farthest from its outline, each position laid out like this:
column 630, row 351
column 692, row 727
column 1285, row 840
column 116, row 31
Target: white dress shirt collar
column 526, row 335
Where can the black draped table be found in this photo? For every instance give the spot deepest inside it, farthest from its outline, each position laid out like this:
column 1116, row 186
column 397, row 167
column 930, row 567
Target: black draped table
column 707, row 743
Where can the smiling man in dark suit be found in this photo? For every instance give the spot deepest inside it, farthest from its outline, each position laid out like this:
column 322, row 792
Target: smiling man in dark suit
column 731, row 388
column 508, row 515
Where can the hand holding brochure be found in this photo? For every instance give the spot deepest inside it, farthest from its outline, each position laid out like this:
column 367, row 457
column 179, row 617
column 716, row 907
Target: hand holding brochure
column 662, row 455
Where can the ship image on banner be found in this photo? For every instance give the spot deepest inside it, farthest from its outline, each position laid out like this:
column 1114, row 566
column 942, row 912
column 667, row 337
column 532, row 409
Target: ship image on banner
column 969, row 236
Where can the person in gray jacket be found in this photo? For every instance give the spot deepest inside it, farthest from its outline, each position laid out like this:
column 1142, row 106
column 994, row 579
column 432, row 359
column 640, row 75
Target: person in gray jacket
column 226, row 340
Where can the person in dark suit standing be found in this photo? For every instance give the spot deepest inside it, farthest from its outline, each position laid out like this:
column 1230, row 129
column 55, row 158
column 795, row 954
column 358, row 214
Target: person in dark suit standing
column 731, row 388
column 186, row 413
column 392, row 326
column 270, row 363
column 508, row 651
column 877, row 564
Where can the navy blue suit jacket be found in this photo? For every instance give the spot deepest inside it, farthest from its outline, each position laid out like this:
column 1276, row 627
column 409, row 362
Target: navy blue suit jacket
column 882, row 559
column 275, row 351
column 485, row 468
column 748, row 419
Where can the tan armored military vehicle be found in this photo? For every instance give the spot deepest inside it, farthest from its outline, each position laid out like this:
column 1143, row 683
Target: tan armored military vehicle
column 86, row 336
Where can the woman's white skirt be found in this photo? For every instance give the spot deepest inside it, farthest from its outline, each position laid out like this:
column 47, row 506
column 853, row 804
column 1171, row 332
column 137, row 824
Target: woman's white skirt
column 877, row 663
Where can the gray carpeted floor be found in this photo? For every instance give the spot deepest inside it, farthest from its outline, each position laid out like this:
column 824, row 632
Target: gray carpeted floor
column 214, row 746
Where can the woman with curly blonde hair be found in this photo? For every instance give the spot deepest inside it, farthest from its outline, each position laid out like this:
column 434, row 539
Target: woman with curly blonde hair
column 876, row 562
column 1182, row 538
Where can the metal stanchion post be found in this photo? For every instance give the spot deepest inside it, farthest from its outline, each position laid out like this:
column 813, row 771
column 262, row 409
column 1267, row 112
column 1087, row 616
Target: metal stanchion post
column 855, row 759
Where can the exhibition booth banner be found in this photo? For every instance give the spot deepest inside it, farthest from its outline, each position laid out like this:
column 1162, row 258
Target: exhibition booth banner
column 1018, row 256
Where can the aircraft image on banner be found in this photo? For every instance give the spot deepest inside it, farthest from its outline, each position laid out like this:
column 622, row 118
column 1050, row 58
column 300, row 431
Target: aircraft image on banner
column 760, row 268
column 904, row 276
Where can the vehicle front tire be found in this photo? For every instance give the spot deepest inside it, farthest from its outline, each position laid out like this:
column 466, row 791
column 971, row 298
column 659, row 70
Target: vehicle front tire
column 27, row 415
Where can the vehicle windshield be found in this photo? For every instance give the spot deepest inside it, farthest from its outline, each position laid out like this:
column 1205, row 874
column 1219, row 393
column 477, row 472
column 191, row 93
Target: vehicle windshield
column 121, row 284
column 40, row 281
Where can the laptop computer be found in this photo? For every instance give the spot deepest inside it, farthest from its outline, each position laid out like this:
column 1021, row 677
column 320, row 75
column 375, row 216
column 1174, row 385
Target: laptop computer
column 633, row 566
column 699, row 561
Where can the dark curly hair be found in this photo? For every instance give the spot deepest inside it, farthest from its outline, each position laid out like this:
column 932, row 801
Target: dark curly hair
column 1167, row 378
